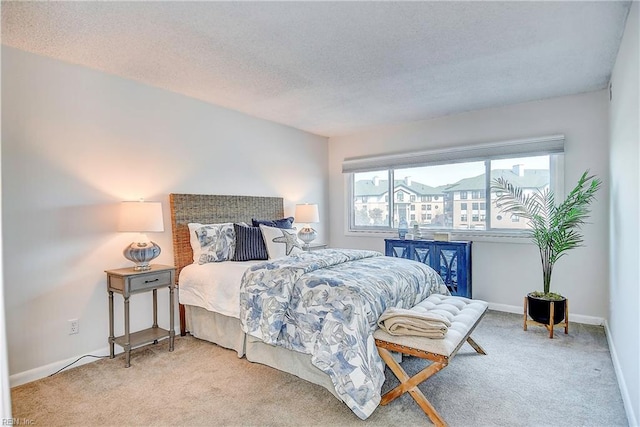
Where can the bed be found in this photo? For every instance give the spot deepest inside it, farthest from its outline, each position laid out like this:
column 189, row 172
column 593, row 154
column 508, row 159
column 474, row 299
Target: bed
column 293, row 324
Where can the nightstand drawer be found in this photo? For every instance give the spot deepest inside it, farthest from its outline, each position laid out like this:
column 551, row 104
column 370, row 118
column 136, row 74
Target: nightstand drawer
column 149, row 281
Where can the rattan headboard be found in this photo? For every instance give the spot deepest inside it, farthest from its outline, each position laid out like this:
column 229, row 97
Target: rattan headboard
column 210, row 209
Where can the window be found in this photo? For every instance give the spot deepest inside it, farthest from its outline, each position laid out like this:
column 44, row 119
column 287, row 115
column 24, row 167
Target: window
column 533, row 165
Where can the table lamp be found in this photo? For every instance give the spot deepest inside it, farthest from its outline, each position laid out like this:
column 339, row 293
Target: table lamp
column 141, row 217
column 306, row 214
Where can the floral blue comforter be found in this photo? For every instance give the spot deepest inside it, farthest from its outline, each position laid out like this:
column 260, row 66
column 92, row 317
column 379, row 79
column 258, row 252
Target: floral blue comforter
column 326, row 304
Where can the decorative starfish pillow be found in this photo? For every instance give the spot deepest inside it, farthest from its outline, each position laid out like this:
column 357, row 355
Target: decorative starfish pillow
column 281, row 242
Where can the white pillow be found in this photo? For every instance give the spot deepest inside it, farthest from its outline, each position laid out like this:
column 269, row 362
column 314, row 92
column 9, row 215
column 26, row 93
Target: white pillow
column 281, row 242
column 212, row 242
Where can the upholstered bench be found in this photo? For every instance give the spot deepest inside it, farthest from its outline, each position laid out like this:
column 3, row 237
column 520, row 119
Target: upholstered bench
column 464, row 315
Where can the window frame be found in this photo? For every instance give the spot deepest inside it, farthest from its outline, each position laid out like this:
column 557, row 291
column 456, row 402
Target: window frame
column 539, row 147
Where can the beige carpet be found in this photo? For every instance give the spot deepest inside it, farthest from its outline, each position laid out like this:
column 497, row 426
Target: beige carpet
column 526, row 379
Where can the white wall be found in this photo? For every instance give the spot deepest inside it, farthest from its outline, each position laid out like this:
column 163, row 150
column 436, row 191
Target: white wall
column 76, row 142
column 5, row 394
column 624, row 318
column 504, row 272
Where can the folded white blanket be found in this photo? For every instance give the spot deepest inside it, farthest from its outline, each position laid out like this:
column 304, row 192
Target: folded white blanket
column 398, row 321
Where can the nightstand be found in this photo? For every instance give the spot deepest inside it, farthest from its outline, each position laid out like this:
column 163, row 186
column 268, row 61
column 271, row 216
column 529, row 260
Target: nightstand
column 127, row 281
column 315, row 246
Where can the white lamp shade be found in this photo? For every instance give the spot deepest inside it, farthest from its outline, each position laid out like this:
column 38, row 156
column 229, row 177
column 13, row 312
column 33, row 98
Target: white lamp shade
column 307, row 213
column 141, row 217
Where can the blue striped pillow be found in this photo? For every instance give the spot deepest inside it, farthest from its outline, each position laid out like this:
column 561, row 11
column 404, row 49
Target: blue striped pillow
column 249, row 244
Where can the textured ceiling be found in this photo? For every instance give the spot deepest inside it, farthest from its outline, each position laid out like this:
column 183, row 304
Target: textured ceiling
column 334, row 68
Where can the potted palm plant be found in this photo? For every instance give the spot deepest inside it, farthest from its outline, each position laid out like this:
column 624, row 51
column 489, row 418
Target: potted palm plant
column 554, row 228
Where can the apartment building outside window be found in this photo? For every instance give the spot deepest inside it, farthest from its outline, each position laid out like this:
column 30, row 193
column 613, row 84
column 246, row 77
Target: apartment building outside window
column 447, row 187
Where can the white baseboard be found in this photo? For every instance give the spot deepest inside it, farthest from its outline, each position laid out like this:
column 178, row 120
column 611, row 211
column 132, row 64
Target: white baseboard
column 624, row 391
column 44, row 371
column 577, row 318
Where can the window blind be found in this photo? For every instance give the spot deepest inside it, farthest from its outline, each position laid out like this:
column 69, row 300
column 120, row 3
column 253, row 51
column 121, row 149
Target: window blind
column 496, row 150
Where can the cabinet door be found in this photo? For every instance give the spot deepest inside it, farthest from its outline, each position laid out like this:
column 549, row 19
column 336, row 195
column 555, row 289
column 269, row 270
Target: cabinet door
column 422, row 252
column 453, row 265
column 447, row 266
column 396, row 248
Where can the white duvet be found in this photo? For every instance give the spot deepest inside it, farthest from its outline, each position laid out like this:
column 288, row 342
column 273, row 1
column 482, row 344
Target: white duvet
column 214, row 286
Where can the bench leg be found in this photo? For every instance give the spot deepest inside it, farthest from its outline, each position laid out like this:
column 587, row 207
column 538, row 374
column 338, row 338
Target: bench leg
column 410, row 384
column 475, row 346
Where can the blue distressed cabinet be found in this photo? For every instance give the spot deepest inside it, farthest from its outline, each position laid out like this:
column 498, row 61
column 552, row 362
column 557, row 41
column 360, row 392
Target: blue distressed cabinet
column 452, row 260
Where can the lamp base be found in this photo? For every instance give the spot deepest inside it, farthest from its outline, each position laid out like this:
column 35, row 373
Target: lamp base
column 307, row 235
column 141, row 253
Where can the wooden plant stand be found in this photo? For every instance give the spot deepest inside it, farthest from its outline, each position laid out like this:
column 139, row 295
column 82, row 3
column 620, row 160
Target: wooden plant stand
column 549, row 326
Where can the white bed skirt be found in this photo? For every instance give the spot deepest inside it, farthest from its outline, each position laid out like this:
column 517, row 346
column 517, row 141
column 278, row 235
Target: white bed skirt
column 226, row 332
column 216, row 328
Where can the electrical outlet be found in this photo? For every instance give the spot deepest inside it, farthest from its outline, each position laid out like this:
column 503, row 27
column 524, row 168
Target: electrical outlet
column 74, row 326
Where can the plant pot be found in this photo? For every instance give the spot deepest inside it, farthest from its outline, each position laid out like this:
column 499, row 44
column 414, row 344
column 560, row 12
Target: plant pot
column 540, row 309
